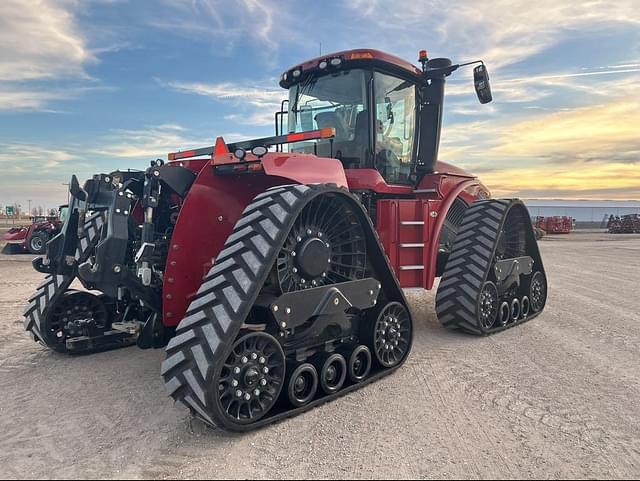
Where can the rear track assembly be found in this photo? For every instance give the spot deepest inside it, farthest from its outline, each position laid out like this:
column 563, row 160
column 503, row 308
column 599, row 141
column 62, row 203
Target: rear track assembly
column 494, row 278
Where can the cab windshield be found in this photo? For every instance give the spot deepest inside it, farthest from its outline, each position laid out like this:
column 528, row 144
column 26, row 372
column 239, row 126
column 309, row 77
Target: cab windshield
column 337, row 101
column 341, row 101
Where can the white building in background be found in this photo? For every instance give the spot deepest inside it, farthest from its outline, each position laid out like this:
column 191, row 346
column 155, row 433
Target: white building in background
column 587, row 213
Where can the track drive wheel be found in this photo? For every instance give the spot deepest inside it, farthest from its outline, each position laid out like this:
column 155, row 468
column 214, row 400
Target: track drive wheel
column 325, row 246
column 249, row 382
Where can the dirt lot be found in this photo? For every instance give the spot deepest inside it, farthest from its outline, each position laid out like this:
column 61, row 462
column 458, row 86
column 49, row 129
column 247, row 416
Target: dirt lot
column 557, row 397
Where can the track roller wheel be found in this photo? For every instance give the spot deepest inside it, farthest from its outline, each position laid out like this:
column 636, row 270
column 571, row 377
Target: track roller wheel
column 250, row 379
column 333, row 373
column 525, row 306
column 505, row 314
column 302, row 385
column 516, row 309
column 360, row 363
column 488, row 304
column 538, row 291
column 392, row 335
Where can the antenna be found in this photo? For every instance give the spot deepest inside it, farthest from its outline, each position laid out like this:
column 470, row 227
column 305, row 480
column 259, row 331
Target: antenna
column 320, row 48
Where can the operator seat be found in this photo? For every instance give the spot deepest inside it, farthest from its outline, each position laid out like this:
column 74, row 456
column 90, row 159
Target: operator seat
column 353, row 152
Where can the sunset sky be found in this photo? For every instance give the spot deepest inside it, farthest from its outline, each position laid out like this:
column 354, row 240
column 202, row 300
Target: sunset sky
column 89, row 86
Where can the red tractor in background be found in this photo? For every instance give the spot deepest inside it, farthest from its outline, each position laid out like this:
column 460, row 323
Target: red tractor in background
column 273, row 269
column 34, row 238
column 554, row 224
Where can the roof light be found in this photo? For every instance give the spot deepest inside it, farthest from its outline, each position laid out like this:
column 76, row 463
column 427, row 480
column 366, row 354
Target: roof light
column 361, row 55
column 322, row 65
column 259, row 151
column 335, row 62
column 296, row 73
column 240, row 154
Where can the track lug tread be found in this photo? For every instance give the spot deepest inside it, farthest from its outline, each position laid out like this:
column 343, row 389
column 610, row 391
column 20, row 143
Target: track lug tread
column 469, row 264
column 227, row 293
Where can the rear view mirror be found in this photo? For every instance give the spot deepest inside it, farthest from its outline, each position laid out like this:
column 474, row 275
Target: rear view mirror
column 481, row 83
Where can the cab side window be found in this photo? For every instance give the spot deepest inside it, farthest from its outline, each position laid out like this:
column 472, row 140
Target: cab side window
column 395, row 103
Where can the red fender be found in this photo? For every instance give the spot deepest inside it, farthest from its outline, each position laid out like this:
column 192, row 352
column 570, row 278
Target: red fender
column 210, row 211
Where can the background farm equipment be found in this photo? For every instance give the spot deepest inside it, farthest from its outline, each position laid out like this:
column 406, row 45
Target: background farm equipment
column 33, row 238
column 272, row 269
column 554, row 224
column 627, row 224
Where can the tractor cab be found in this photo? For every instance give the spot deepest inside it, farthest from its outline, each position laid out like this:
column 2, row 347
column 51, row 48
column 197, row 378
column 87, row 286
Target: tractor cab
column 369, row 99
column 386, row 112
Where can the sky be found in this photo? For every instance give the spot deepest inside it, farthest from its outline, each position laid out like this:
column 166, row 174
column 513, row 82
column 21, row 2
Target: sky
column 88, row 86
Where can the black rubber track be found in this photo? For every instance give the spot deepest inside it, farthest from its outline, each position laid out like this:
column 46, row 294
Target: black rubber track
column 470, row 263
column 55, row 285
column 205, row 336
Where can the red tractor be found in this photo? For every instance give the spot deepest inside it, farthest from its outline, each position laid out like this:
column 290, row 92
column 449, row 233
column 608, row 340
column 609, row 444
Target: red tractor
column 273, row 269
column 555, row 224
column 34, row 238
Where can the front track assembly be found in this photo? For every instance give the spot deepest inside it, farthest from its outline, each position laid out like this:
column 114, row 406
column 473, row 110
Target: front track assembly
column 55, row 313
column 494, row 278
column 262, row 341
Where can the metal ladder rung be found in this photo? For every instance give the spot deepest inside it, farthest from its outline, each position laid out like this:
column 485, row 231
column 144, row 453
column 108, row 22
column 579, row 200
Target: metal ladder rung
column 412, row 222
column 417, row 244
column 411, row 268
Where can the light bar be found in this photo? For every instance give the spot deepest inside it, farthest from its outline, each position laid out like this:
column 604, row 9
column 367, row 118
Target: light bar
column 325, row 133
column 222, row 148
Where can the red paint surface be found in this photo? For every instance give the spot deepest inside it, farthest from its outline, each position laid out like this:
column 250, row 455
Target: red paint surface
column 212, row 208
column 215, row 203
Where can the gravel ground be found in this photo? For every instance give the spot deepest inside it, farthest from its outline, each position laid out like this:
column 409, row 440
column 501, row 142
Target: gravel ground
column 554, row 398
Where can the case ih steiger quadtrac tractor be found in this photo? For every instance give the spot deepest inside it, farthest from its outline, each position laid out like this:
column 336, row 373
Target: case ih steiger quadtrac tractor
column 272, row 269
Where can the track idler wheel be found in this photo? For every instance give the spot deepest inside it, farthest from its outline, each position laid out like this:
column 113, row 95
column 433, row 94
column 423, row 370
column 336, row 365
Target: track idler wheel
column 360, row 363
column 392, row 335
column 75, row 314
column 302, row 385
column 538, row 291
column 251, row 378
column 488, row 304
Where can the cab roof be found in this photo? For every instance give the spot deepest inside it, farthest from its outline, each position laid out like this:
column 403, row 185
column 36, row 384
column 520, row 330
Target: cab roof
column 350, row 59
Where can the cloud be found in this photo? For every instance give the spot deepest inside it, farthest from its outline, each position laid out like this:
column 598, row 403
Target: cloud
column 18, row 98
column 226, row 23
column 502, row 32
column 611, row 181
column 146, row 143
column 589, row 152
column 40, row 40
column 601, row 133
column 257, row 103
